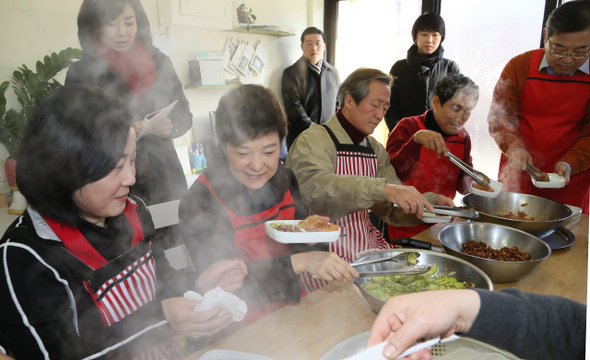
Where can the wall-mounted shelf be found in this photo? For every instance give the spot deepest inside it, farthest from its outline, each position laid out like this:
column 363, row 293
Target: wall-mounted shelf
column 226, row 86
column 260, row 32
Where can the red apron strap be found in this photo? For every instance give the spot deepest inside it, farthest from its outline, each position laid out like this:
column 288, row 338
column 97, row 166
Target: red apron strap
column 77, row 244
column 250, row 237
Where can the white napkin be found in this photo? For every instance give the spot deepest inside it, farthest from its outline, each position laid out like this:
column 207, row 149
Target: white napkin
column 219, row 297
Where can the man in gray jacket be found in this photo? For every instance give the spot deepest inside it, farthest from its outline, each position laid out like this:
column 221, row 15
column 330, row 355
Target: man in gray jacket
column 310, row 86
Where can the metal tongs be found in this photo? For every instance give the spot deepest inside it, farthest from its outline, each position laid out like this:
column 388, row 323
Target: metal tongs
column 459, row 211
column 477, row 176
column 400, row 258
column 535, row 173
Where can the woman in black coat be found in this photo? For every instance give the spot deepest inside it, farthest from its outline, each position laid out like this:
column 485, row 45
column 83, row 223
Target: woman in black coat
column 120, row 58
column 416, row 76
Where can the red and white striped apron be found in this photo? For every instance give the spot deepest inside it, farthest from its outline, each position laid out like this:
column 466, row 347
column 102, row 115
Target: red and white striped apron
column 361, row 235
column 117, row 293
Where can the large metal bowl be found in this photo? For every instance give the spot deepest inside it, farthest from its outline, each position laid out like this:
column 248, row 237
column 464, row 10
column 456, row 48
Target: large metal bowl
column 548, row 214
column 463, row 271
column 497, row 236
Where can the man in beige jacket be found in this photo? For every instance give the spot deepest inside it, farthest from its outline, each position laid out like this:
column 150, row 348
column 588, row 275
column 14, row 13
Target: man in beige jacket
column 343, row 171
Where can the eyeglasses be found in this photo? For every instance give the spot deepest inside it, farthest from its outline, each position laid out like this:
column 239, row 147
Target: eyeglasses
column 564, row 53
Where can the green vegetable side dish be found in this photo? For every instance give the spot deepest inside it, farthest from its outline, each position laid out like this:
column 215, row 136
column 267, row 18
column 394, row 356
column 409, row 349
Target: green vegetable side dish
column 385, row 287
column 276, row 225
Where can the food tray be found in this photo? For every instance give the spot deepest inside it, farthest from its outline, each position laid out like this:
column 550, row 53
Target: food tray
column 561, row 238
column 300, row 237
column 555, row 182
column 495, row 185
column 431, row 218
column 455, row 350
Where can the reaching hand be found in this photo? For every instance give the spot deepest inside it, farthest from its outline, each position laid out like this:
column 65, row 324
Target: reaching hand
column 404, row 319
column 227, row 274
column 180, row 314
column 408, row 198
column 519, row 157
column 324, row 264
column 432, row 141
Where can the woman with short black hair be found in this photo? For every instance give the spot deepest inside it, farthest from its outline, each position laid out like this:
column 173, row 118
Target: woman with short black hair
column 79, row 277
column 416, row 76
column 119, row 57
column 223, row 214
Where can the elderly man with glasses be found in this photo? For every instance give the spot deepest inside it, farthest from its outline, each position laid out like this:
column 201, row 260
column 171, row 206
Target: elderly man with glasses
column 540, row 110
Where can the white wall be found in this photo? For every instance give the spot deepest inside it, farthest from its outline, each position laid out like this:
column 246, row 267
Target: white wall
column 31, row 29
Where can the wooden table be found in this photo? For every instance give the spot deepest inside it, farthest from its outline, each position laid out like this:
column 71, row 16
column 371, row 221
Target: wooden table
column 336, row 312
column 564, row 273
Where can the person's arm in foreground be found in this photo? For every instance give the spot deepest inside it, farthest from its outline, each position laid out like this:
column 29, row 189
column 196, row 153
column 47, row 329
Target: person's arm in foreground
column 529, row 325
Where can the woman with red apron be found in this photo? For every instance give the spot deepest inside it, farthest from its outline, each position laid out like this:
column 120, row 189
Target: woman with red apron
column 254, row 245
column 79, row 278
column 551, row 109
column 223, row 214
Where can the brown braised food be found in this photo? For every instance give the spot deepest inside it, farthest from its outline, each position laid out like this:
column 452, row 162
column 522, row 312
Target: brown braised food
column 543, row 176
column 314, row 223
column 482, row 250
column 482, row 188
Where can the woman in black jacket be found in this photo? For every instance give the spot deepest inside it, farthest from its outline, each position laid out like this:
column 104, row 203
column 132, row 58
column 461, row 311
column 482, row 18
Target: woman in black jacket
column 79, row 277
column 417, row 75
column 120, row 58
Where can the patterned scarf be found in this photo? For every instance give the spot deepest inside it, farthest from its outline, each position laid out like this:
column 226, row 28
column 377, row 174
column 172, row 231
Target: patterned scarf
column 135, row 67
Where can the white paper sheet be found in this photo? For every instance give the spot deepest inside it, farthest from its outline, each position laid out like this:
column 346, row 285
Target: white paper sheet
column 155, row 118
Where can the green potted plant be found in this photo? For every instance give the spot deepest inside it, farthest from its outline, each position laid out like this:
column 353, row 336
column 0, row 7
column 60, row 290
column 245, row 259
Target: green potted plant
column 30, row 88
column 245, row 16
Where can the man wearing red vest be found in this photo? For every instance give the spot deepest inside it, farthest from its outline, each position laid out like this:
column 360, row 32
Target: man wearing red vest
column 540, row 110
column 417, row 144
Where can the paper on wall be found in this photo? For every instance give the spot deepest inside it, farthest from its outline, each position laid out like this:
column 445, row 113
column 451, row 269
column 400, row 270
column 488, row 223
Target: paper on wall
column 244, row 63
column 230, row 49
column 259, row 59
column 235, row 60
column 155, row 118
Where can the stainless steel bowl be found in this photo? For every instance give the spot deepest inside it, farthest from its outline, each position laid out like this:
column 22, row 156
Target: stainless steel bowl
column 497, row 236
column 464, row 271
column 548, row 214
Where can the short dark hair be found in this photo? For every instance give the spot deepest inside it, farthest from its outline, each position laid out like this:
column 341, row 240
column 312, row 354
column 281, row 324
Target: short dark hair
column 429, row 22
column 452, row 85
column 94, row 14
column 358, row 82
column 312, row 30
column 573, row 16
column 249, row 112
column 75, row 137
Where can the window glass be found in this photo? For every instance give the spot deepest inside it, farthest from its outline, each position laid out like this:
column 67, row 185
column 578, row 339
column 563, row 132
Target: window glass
column 481, row 36
column 375, row 34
